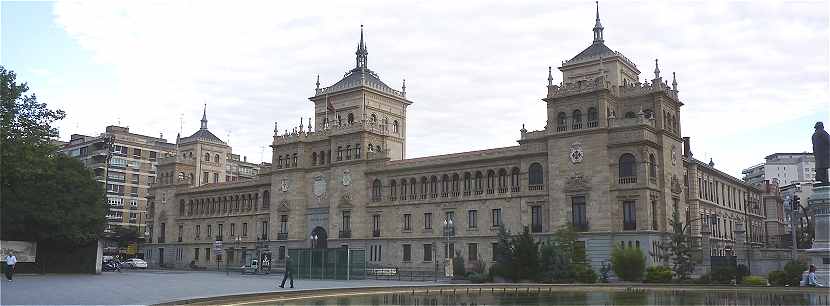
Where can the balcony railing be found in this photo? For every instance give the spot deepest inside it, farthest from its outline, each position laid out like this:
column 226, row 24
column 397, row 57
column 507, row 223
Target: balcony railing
column 581, row 227
column 345, row 234
column 490, row 190
column 466, row 193
column 514, row 189
column 282, row 236
column 444, row 194
column 536, row 228
column 502, row 189
column 454, row 194
column 479, row 192
column 536, row 187
column 628, row 180
column 375, row 233
column 593, row 124
column 629, row 226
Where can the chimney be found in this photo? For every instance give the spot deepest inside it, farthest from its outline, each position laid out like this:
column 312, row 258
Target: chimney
column 687, row 147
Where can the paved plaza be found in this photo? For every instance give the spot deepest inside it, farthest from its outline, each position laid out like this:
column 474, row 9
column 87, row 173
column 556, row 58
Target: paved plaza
column 152, row 286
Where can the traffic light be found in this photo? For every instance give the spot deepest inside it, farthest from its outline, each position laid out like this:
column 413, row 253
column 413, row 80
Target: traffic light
column 796, row 202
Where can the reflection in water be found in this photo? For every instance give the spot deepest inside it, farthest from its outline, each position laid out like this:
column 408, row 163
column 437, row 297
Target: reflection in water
column 585, row 296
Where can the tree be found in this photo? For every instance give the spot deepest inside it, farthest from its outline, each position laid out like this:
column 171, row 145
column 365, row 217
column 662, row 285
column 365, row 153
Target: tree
column 503, row 255
column 628, row 263
column 46, row 196
column 557, row 256
column 678, row 250
column 525, row 256
column 124, row 235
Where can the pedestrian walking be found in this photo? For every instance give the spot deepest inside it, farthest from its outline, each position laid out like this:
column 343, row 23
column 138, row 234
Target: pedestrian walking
column 810, row 278
column 11, row 261
column 288, row 274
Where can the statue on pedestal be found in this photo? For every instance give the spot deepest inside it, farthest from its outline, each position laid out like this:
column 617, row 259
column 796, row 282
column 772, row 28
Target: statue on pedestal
column 821, row 151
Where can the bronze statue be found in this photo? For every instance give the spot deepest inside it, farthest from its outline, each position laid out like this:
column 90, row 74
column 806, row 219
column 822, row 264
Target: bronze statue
column 821, row 150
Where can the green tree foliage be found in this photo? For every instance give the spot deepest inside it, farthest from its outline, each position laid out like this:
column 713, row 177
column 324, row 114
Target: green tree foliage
column 793, row 271
column 678, row 250
column 459, row 271
column 558, row 255
column 628, row 263
column 46, row 196
column 525, row 257
column 658, row 274
column 124, row 235
column 503, row 255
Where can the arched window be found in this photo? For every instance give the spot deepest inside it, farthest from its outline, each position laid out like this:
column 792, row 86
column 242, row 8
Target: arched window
column 403, row 189
column 479, row 182
column 628, row 169
column 412, row 188
column 423, row 187
column 652, row 167
column 649, row 114
column 190, row 208
column 313, row 158
column 373, row 119
column 207, row 156
column 339, row 153
column 376, row 190
column 514, row 180
column 294, row 160
column 445, row 186
column 216, row 158
column 181, row 207
column 393, row 190
column 468, row 183
column 385, row 123
column 350, row 119
column 357, row 151
column 502, row 180
column 630, row 115
column 395, row 126
column 433, row 186
column 491, row 181
column 561, row 122
column 536, row 176
column 279, row 162
column 455, row 183
column 593, row 117
column 577, row 119
column 266, row 199
column 348, row 152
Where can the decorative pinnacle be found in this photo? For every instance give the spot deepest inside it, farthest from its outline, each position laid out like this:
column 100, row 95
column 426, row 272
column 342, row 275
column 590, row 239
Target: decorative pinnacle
column 318, row 81
column 656, row 69
column 598, row 28
column 403, row 87
column 361, row 53
column 673, row 81
column 276, row 129
column 550, row 76
column 204, row 118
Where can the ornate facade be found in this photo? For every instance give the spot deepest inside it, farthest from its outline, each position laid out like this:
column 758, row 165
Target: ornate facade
column 610, row 161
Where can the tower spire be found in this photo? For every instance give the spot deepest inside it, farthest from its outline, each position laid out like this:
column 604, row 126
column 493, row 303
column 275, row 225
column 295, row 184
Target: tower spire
column 656, row 69
column 361, row 51
column 674, row 81
column 204, row 118
column 550, row 76
column 598, row 28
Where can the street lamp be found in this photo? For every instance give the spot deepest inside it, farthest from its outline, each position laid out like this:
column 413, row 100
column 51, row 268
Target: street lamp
column 237, row 241
column 448, row 225
column 313, row 240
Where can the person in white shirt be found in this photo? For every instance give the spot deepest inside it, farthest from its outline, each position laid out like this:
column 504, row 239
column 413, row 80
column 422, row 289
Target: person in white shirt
column 11, row 261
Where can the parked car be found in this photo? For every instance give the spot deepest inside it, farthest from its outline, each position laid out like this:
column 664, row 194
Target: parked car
column 135, row 263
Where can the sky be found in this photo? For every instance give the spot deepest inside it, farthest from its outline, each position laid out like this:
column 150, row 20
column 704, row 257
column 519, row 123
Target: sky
column 753, row 75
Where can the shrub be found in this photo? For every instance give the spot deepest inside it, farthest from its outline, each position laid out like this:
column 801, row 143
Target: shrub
column 658, row 274
column 723, row 275
column 628, row 263
column 754, row 281
column 478, row 278
column 583, row 273
column 458, row 269
column 741, row 271
column 777, row 278
column 478, row 266
column 793, row 270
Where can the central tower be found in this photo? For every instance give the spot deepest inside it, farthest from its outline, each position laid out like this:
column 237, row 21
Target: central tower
column 360, row 98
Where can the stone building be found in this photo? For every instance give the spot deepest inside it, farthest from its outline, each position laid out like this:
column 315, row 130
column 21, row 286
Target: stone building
column 786, row 168
column 610, row 161
column 132, row 168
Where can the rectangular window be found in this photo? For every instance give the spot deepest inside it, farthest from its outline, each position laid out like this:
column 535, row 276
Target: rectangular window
column 136, row 153
column 629, row 215
column 209, row 232
column 196, row 254
column 181, row 229
column 153, row 156
column 427, row 252
column 496, row 216
column 407, row 222
column 161, row 233
column 245, row 229
column 135, row 179
column 233, row 229
column 427, row 220
column 472, row 218
column 493, row 247
column 264, row 229
column 283, row 223
column 579, row 217
column 205, row 177
column 375, row 225
column 207, row 254
column 449, row 250
column 407, row 252
column 347, row 221
column 472, row 251
column 536, row 219
column 198, row 231
column 219, row 231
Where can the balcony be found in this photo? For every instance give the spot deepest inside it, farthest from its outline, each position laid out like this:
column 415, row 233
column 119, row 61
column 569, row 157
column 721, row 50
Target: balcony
column 466, row 193
column 455, row 194
column 628, row 180
column 345, row 234
column 490, row 190
column 375, row 233
column 502, row 189
column 581, row 227
column 629, row 226
column 444, row 194
column 282, row 236
column 536, row 228
column 514, row 189
column 536, row 187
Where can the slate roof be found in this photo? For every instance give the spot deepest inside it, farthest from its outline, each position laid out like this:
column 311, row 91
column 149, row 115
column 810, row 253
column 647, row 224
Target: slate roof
column 204, row 135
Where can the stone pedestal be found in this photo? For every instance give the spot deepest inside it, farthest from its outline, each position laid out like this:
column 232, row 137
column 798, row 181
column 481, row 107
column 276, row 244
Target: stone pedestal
column 819, row 255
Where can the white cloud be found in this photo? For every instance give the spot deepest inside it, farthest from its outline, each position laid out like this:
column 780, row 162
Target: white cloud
column 475, row 70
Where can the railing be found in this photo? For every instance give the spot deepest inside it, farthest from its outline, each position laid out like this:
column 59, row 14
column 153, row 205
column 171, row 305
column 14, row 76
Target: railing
column 514, row 189
column 375, row 233
column 593, row 124
column 282, row 236
column 628, row 180
column 345, row 234
column 490, row 190
column 454, row 194
column 536, row 187
column 629, row 226
column 502, row 189
column 577, row 126
column 560, row 128
column 466, row 193
column 444, row 194
column 581, row 227
column 393, row 198
column 536, row 228
column 479, row 192
column 423, row 196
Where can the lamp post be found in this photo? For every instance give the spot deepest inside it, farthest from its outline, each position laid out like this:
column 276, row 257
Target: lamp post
column 448, row 225
column 313, row 240
column 237, row 241
column 749, row 229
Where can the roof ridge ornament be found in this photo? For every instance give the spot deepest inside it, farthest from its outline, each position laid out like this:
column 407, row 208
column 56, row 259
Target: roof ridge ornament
column 674, row 81
column 550, row 76
column 598, row 28
column 204, row 118
column 656, row 69
column 361, row 52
